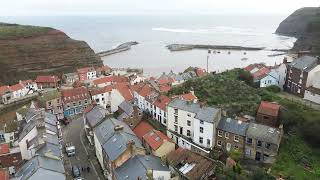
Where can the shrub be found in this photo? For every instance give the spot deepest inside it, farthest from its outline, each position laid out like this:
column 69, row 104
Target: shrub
column 273, row 88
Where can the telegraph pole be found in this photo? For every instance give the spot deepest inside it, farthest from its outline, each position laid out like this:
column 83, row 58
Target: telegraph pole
column 209, row 51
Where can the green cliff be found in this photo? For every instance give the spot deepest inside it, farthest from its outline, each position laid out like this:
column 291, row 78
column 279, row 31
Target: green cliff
column 26, row 51
column 303, row 24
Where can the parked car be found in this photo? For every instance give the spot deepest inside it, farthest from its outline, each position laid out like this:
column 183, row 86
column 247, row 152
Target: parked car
column 70, row 149
column 76, row 171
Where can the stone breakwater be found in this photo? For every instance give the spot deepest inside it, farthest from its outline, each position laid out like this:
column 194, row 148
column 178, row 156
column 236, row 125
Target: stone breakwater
column 182, row 47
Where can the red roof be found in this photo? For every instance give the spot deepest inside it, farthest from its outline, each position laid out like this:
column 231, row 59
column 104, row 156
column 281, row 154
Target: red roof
column 165, row 81
column 164, row 88
column 4, row 89
column 200, row 72
column 155, row 139
column 189, row 96
column 16, row 87
column 162, row 102
column 110, row 79
column 47, row 79
column 4, row 174
column 142, row 128
column 261, row 73
column 85, row 70
column 145, row 91
column 96, row 91
column 253, row 66
column 124, row 91
column 75, row 94
column 26, row 82
column 4, row 148
column 269, row 108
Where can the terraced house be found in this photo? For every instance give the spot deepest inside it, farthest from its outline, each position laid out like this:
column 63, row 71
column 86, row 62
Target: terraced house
column 52, row 102
column 192, row 125
column 75, row 100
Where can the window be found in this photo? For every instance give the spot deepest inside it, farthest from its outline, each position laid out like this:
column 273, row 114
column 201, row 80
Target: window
column 236, row 147
column 176, row 119
column 267, row 145
column 208, row 142
column 220, row 133
column 176, row 111
column 175, row 128
column 188, row 133
column 189, row 123
column 49, row 103
column 249, row 140
column 236, row 138
column 226, row 135
column 201, row 129
column 164, row 121
column 201, row 140
column 97, row 100
column 139, row 113
column 189, row 115
column 201, row 122
column 259, row 143
column 74, row 104
column 86, row 101
column 219, row 143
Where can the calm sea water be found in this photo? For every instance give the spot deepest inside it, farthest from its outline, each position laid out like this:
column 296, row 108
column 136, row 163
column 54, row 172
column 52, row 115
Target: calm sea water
column 155, row 32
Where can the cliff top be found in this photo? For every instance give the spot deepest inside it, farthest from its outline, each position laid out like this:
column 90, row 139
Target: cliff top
column 15, row 31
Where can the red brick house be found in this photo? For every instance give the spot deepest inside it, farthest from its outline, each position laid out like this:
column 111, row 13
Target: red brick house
column 47, row 82
column 268, row 114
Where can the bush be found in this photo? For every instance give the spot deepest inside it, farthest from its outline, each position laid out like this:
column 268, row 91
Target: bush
column 273, row 88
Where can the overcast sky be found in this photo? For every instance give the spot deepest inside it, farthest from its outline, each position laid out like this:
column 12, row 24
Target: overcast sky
column 87, row 7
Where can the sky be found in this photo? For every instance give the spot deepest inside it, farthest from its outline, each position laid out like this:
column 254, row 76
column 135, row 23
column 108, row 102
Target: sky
column 164, row 7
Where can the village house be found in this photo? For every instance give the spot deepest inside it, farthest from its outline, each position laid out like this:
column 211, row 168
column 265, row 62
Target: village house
column 231, row 135
column 268, row 114
column 312, row 93
column 86, row 73
column 135, row 79
column 5, row 94
column 47, row 81
column 190, row 165
column 262, row 142
column 52, row 102
column 300, row 75
column 4, row 174
column 142, row 128
column 40, row 167
column 75, row 100
column 109, row 80
column 70, row 78
column 102, row 96
column 103, row 71
column 10, row 157
column 92, row 117
column 192, row 125
column 160, row 109
column 144, row 98
column 18, row 91
column 129, row 114
column 30, row 86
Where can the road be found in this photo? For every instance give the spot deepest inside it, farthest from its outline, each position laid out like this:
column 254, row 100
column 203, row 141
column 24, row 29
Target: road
column 74, row 133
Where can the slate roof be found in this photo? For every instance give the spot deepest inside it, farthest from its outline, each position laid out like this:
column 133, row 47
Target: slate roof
column 126, row 107
column 207, row 114
column 138, row 166
column 39, row 164
column 96, row 115
column 115, row 143
column 233, row 126
column 264, row 133
column 305, row 63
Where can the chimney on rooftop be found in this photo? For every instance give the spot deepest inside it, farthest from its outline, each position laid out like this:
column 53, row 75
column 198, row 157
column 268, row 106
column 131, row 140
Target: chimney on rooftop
column 118, row 128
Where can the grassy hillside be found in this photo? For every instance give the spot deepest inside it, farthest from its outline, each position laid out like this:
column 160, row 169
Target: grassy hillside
column 15, row 31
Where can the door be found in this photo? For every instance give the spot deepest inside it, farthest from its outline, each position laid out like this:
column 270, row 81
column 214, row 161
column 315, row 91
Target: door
column 258, row 156
column 228, row 147
column 181, row 130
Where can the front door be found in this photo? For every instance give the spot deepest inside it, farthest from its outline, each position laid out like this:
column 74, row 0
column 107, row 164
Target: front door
column 258, row 156
column 181, row 130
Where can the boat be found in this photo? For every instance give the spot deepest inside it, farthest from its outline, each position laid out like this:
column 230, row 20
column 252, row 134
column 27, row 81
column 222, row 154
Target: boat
column 244, row 59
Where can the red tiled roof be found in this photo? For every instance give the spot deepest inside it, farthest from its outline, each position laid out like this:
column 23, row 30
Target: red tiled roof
column 189, row 97
column 162, row 102
column 85, row 70
column 4, row 174
column 75, row 94
column 47, row 79
column 142, row 128
column 252, row 66
column 95, row 91
column 164, row 88
column 145, row 91
column 152, row 78
column 269, row 108
column 16, row 87
column 200, row 72
column 25, row 82
column 4, row 148
column 110, row 79
column 124, row 91
column 136, row 87
column 4, row 89
column 88, row 109
column 165, row 80
column 261, row 73
column 155, row 139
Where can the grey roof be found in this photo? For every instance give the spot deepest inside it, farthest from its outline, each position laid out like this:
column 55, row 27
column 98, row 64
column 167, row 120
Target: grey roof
column 37, row 165
column 233, row 126
column 96, row 115
column 305, row 63
column 48, row 148
column 137, row 167
column 264, row 133
column 207, row 114
column 126, row 107
column 115, row 143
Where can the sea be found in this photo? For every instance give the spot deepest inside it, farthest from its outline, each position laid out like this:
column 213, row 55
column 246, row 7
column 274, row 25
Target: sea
column 155, row 32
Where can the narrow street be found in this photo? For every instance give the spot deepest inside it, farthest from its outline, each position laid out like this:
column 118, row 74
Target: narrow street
column 85, row 154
